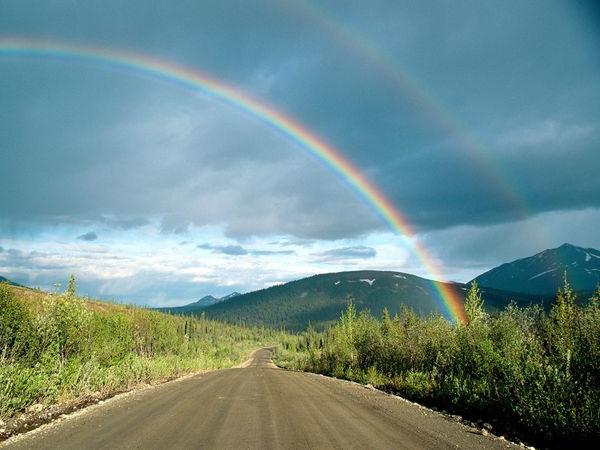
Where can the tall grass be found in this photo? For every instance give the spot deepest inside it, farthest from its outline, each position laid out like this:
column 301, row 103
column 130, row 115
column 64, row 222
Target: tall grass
column 535, row 371
column 64, row 347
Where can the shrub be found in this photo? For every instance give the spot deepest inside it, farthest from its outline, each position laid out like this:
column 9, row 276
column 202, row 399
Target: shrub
column 538, row 372
column 64, row 347
column 15, row 325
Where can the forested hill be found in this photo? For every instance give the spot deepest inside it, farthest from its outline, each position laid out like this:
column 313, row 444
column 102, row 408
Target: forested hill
column 320, row 299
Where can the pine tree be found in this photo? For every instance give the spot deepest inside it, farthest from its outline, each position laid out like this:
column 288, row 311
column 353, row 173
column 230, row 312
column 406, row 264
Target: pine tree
column 595, row 299
column 72, row 286
column 347, row 326
column 474, row 304
column 386, row 322
column 564, row 304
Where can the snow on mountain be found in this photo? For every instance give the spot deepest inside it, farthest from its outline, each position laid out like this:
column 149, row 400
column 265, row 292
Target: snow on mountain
column 542, row 273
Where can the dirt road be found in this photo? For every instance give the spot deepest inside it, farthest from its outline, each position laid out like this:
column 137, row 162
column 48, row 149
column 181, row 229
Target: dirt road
column 257, row 406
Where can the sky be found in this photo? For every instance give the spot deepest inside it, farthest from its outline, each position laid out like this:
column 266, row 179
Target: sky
column 478, row 120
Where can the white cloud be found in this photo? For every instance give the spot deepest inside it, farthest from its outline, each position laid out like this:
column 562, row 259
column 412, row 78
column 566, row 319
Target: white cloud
column 143, row 266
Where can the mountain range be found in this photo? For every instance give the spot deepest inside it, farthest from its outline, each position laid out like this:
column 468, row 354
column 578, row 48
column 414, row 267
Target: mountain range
column 320, row 299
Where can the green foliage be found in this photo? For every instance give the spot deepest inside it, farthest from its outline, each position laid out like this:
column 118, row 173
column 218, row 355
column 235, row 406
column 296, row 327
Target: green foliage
column 64, row 347
column 595, row 298
column 15, row 325
column 474, row 304
column 539, row 372
column 563, row 307
column 72, row 286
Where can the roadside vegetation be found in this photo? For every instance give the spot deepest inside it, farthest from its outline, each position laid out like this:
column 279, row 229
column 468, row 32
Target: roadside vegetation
column 59, row 347
column 535, row 372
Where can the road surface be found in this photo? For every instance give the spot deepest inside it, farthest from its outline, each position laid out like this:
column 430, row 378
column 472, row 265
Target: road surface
column 258, row 406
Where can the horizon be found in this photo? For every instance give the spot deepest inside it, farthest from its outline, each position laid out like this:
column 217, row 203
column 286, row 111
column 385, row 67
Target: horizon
column 237, row 293
column 161, row 159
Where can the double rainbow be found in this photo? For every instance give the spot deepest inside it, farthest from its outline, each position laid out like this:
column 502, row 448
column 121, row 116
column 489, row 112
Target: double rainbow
column 314, row 145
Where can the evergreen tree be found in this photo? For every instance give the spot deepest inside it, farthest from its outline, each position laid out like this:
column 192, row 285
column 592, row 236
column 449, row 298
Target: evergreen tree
column 72, row 286
column 595, row 299
column 564, row 303
column 348, row 320
column 474, row 304
column 386, row 322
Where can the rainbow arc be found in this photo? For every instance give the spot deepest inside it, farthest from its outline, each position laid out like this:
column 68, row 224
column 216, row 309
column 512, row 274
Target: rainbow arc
column 286, row 125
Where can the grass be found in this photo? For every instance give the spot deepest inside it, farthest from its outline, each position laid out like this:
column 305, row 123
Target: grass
column 59, row 347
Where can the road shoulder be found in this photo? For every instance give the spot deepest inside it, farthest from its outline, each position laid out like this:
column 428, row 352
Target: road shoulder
column 35, row 419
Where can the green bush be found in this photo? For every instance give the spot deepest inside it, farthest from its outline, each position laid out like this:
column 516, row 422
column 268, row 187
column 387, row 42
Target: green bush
column 538, row 372
column 65, row 347
column 16, row 325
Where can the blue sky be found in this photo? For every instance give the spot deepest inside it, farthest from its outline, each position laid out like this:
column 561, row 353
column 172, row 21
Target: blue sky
column 158, row 195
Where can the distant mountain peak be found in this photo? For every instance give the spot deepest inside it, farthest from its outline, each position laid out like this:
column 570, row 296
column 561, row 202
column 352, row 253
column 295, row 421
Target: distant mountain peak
column 542, row 273
column 199, row 305
column 207, row 298
column 6, row 280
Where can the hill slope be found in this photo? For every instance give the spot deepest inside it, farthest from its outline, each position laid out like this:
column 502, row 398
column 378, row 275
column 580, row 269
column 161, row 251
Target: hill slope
column 542, row 274
column 320, row 299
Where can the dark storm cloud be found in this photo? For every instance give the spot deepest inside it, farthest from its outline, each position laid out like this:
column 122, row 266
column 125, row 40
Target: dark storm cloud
column 517, row 83
column 89, row 236
column 356, row 252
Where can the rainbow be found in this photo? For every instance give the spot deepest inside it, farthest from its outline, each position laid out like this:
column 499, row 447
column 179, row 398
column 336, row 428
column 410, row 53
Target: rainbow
column 314, row 145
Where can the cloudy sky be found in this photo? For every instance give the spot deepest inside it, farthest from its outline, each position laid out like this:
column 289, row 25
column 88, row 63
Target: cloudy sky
column 479, row 120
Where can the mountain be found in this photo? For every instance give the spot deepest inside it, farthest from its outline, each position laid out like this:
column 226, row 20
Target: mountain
column 6, row 280
column 320, row 299
column 542, row 274
column 227, row 297
column 197, row 306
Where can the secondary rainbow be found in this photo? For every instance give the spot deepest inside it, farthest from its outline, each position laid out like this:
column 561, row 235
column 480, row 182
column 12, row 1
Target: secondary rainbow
column 352, row 39
column 314, row 145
